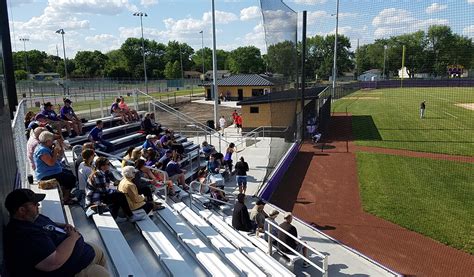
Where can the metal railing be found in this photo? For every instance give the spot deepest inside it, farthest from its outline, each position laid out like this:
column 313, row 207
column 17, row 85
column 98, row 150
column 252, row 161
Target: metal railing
column 19, row 141
column 271, row 237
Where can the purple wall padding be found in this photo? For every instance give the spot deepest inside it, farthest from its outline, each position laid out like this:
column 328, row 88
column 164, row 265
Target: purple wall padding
column 279, row 172
column 417, row 83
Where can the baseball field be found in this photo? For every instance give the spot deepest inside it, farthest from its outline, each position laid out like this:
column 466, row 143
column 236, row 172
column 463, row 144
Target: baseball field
column 417, row 173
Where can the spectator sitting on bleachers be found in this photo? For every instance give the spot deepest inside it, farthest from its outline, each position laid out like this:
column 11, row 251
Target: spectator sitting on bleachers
column 150, row 142
column 116, row 111
column 175, row 173
column 155, row 179
column 127, row 159
column 29, row 117
column 136, row 154
column 149, row 126
column 178, row 147
column 67, row 113
column 130, row 112
column 85, row 168
column 271, row 217
column 207, row 149
column 53, row 119
column 217, row 194
column 37, row 246
column 165, row 159
column 46, row 158
column 100, row 191
column 213, row 165
column 286, row 225
column 201, row 185
column 79, row 160
column 240, row 215
column 151, row 159
column 257, row 215
column 95, row 136
column 32, row 143
column 135, row 201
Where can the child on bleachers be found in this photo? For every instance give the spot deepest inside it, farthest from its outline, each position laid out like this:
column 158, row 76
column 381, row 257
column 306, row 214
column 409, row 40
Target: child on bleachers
column 130, row 112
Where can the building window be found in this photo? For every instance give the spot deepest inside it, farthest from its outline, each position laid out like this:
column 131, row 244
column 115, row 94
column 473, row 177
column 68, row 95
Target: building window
column 257, row 92
column 253, row 109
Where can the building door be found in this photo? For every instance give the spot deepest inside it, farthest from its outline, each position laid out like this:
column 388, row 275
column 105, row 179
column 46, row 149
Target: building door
column 208, row 94
column 240, row 94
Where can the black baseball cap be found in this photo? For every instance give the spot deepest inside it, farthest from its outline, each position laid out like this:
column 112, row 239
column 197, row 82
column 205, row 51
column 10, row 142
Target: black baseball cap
column 67, row 100
column 48, row 104
column 18, row 197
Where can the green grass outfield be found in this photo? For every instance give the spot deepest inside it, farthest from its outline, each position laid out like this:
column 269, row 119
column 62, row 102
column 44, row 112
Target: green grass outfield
column 390, row 118
column 432, row 197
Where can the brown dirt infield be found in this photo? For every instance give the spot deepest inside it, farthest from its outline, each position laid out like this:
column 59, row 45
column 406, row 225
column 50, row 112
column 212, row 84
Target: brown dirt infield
column 469, row 106
column 321, row 188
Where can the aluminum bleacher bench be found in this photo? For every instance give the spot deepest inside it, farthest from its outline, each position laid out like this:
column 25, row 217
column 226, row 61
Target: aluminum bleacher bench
column 210, row 261
column 259, row 257
column 106, row 131
column 233, row 255
column 126, row 138
column 169, row 257
column 51, row 205
column 119, row 251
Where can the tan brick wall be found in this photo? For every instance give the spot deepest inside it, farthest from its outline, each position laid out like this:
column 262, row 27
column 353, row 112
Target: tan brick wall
column 283, row 114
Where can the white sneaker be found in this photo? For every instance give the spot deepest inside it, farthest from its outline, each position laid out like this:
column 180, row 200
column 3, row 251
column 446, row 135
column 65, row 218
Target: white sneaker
column 137, row 217
column 120, row 219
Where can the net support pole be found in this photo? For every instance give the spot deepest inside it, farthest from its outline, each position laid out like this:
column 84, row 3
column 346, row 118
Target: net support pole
column 403, row 66
column 334, row 68
column 214, row 68
column 303, row 74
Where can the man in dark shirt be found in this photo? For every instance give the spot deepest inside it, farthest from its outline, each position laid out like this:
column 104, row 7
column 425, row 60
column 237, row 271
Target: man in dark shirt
column 37, row 246
column 95, row 136
column 53, row 118
column 240, row 215
column 67, row 113
column 286, row 225
column 422, row 109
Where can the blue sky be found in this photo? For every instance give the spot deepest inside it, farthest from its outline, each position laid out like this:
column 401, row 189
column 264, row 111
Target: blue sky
column 105, row 24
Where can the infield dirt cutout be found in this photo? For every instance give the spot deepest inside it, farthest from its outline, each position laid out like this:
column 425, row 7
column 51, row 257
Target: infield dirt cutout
column 469, row 106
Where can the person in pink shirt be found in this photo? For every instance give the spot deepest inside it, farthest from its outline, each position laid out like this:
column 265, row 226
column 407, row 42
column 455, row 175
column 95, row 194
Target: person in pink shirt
column 126, row 108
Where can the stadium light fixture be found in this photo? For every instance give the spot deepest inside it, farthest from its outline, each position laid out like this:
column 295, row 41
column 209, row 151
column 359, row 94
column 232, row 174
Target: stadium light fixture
column 24, row 40
column 141, row 15
column 61, row 32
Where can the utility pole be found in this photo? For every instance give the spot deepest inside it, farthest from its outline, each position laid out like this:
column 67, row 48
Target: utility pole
column 384, row 61
column 303, row 74
column 202, row 53
column 214, row 66
column 61, row 31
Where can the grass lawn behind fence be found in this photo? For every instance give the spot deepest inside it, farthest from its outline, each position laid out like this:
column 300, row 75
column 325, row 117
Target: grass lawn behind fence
column 405, row 191
column 390, row 118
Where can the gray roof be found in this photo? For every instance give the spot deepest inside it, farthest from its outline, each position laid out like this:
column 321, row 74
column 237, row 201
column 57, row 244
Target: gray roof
column 243, row 80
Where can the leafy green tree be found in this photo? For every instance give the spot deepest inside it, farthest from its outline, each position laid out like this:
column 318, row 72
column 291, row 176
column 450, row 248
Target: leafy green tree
column 281, row 58
column 197, row 59
column 116, row 65
column 21, row 74
column 90, row 63
column 173, row 70
column 175, row 51
column 245, row 60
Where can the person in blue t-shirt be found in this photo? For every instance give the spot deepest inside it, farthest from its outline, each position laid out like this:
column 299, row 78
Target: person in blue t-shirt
column 37, row 246
column 95, row 136
column 46, row 158
column 53, row 119
column 67, row 113
column 150, row 142
column 175, row 173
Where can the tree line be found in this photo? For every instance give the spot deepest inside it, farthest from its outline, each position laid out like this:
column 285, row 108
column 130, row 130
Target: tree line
column 426, row 52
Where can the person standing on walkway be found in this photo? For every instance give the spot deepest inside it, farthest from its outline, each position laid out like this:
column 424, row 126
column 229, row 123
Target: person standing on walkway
column 241, row 168
column 222, row 123
column 422, row 109
column 234, row 118
column 238, row 123
column 228, row 156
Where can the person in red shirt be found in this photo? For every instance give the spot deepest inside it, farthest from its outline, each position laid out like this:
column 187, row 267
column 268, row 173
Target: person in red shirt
column 238, row 123
column 234, row 116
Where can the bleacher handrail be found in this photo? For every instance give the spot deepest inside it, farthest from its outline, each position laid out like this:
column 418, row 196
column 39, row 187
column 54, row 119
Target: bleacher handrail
column 271, row 225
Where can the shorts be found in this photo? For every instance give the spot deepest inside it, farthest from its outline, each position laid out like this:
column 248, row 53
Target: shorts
column 242, row 181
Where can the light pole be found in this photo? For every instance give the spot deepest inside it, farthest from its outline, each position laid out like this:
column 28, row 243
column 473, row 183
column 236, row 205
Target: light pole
column 384, row 60
column 214, row 68
column 141, row 15
column 202, row 53
column 26, row 55
column 334, row 68
column 61, row 31
column 181, row 61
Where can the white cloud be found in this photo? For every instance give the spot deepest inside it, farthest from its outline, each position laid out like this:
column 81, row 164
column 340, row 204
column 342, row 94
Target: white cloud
column 148, row 3
column 249, row 13
column 310, row 2
column 107, row 7
column 470, row 1
column 392, row 21
column 469, row 31
column 221, row 17
column 435, row 7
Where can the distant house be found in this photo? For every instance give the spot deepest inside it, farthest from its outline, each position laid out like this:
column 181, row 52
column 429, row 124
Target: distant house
column 241, row 86
column 370, row 75
column 192, row 74
column 45, row 76
column 220, row 74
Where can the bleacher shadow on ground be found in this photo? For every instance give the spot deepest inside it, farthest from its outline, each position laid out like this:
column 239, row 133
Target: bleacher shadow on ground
column 286, row 194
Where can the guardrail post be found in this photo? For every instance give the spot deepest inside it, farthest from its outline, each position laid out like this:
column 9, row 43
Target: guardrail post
column 270, row 239
column 325, row 266
column 220, row 142
column 101, row 104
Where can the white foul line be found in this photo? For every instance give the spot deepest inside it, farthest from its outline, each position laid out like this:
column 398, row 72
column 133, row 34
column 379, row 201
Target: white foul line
column 450, row 115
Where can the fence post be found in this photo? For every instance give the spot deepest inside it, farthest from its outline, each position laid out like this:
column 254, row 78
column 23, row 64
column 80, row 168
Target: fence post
column 101, row 104
column 270, row 239
column 325, row 266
